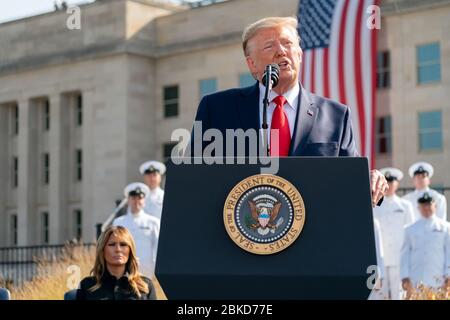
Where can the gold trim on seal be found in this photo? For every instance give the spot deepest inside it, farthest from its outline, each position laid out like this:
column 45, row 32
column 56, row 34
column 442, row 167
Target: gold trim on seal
column 276, row 182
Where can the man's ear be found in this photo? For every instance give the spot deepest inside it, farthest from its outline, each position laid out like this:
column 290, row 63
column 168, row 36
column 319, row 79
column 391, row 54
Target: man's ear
column 251, row 65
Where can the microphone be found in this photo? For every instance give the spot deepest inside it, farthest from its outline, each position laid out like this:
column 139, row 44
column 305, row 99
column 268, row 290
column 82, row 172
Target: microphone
column 273, row 72
column 270, row 79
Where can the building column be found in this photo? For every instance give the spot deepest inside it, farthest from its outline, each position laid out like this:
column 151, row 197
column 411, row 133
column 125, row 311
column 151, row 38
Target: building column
column 26, row 191
column 58, row 169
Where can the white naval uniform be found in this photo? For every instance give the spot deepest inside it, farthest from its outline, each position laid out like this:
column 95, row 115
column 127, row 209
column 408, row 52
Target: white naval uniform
column 425, row 255
column 441, row 202
column 145, row 231
column 394, row 215
column 154, row 202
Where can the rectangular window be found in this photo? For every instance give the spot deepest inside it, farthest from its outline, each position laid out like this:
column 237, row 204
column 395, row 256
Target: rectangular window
column 78, row 223
column 15, row 119
column 13, row 229
column 383, row 70
column 246, row 80
column 429, row 63
column 167, row 149
column 79, row 110
column 430, row 130
column 207, row 86
column 15, row 172
column 46, row 168
column 170, row 101
column 46, row 115
column 78, row 165
column 383, row 135
column 45, row 228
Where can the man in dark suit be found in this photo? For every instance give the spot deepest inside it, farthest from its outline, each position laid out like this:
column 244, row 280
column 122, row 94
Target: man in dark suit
column 305, row 124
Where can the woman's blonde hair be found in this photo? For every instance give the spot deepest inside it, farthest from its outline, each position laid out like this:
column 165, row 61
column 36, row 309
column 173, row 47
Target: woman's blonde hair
column 132, row 267
column 252, row 29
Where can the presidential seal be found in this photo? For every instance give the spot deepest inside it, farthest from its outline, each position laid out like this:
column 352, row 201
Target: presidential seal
column 264, row 214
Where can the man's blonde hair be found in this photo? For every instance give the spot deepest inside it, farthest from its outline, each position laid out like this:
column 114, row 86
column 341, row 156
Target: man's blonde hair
column 270, row 22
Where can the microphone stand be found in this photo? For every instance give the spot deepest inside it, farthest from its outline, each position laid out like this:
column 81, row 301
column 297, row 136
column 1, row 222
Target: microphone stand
column 268, row 86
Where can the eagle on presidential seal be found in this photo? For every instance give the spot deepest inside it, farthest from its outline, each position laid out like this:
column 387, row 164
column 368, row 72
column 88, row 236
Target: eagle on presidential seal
column 264, row 210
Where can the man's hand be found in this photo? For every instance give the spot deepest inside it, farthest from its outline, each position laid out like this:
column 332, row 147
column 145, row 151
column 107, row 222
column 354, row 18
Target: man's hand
column 378, row 185
column 407, row 286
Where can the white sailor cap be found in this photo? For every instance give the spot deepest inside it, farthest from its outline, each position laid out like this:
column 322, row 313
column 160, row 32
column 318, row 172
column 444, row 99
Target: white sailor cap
column 421, row 167
column 136, row 189
column 152, row 166
column 425, row 198
column 392, row 174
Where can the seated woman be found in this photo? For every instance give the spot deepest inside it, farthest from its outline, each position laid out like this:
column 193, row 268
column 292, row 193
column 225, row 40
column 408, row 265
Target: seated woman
column 115, row 273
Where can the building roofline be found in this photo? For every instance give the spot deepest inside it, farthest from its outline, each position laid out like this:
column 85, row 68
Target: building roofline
column 153, row 3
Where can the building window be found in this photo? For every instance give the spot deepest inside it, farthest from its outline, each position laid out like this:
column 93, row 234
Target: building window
column 170, row 101
column 383, row 70
column 45, row 228
column 246, row 80
column 13, row 229
column 207, row 86
column 79, row 110
column 78, row 165
column 46, row 115
column 430, row 130
column 15, row 119
column 167, row 150
column 383, row 136
column 46, row 168
column 429, row 63
column 15, row 172
column 78, row 223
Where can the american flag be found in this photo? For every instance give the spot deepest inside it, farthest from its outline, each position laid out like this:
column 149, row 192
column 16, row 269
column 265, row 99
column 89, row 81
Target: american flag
column 339, row 60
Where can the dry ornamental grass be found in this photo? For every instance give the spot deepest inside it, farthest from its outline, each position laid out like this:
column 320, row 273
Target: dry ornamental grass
column 56, row 276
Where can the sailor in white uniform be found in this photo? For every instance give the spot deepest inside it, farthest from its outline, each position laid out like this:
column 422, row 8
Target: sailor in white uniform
column 421, row 172
column 152, row 172
column 143, row 227
column 393, row 215
column 425, row 255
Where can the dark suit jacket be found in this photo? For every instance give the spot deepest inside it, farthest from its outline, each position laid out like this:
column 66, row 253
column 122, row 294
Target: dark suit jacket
column 322, row 126
column 113, row 289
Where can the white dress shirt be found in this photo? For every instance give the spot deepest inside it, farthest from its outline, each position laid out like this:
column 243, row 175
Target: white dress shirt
column 290, row 107
column 145, row 231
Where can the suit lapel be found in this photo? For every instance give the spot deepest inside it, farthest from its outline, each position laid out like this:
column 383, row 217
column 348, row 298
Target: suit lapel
column 306, row 115
column 249, row 115
column 248, row 108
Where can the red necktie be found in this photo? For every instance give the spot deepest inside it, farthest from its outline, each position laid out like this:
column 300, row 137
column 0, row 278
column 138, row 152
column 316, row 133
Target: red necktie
column 280, row 122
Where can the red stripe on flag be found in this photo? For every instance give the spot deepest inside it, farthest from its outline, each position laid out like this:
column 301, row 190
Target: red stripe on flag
column 373, row 40
column 341, row 57
column 313, row 71
column 359, row 79
column 326, row 74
